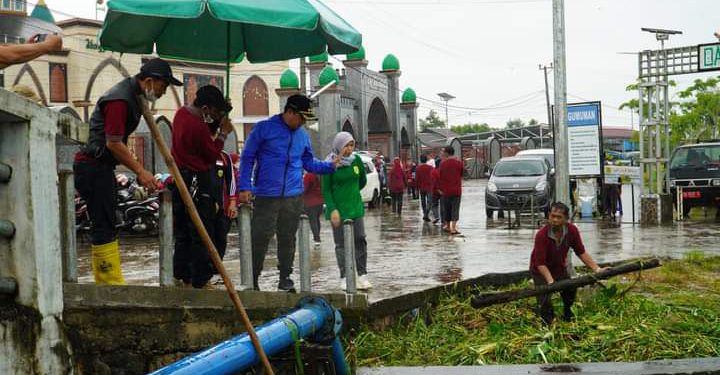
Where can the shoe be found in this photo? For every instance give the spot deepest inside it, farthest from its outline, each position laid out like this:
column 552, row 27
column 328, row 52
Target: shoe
column 316, row 243
column 179, row 283
column 216, row 280
column 343, row 283
column 436, row 221
column 363, row 282
column 426, row 219
column 287, row 285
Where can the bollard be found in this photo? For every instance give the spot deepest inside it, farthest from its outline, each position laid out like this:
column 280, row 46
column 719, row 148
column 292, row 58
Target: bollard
column 680, row 203
column 8, row 286
column 5, row 172
column 7, row 229
column 246, row 268
column 349, row 248
column 167, row 238
column 67, row 226
column 304, row 242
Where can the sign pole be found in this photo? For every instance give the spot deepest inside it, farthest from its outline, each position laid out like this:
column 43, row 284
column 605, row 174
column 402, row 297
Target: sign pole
column 562, row 177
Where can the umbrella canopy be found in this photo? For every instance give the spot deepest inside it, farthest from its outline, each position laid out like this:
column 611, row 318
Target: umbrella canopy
column 226, row 30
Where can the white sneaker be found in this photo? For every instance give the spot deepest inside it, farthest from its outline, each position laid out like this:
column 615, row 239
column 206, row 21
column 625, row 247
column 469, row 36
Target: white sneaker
column 317, row 243
column 343, row 284
column 363, row 282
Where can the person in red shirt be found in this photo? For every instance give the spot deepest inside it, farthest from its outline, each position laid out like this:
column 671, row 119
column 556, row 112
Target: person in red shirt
column 548, row 259
column 397, row 185
column 313, row 200
column 423, row 177
column 196, row 148
column 451, row 175
column 436, row 196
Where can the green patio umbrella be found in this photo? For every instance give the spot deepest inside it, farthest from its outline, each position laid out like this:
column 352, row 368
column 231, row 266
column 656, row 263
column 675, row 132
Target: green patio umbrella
column 225, row 30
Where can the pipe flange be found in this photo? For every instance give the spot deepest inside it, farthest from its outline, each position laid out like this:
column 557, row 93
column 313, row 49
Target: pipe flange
column 333, row 324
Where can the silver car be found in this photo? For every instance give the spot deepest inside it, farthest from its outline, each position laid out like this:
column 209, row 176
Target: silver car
column 519, row 183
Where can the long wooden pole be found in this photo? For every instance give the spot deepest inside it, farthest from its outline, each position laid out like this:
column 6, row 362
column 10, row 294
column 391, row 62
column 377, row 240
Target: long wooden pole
column 195, row 217
column 488, row 299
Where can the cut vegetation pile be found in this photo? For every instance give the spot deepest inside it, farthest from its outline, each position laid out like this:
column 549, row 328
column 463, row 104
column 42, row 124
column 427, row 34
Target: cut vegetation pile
column 666, row 313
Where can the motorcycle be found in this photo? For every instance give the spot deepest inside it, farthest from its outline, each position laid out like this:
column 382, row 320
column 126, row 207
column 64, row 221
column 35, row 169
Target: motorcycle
column 137, row 212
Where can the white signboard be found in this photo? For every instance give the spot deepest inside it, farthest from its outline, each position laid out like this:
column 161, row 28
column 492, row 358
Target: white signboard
column 584, row 143
column 625, row 174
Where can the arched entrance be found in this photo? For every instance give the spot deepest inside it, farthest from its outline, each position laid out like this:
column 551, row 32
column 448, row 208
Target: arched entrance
column 109, row 61
column 36, row 82
column 379, row 133
column 255, row 101
column 347, row 127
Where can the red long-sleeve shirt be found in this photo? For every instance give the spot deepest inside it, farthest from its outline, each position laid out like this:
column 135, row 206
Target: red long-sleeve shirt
column 192, row 144
column 313, row 193
column 451, row 175
column 547, row 253
column 423, row 176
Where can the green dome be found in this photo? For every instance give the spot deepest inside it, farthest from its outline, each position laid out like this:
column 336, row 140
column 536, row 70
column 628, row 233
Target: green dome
column 42, row 12
column 328, row 75
column 391, row 63
column 409, row 96
column 289, row 80
column 357, row 55
column 323, row 57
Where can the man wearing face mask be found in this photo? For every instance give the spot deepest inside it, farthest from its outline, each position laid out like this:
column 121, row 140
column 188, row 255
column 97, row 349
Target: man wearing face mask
column 198, row 137
column 116, row 115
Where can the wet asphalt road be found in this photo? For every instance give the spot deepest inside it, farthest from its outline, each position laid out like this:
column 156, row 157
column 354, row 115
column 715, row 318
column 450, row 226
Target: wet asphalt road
column 406, row 255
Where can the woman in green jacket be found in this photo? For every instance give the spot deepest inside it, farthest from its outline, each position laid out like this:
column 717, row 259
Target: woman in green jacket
column 341, row 191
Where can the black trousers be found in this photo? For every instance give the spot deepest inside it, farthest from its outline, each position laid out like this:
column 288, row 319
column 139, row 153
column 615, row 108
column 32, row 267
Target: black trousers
column 220, row 236
column 545, row 307
column 191, row 262
column 450, row 207
column 397, row 201
column 314, row 218
column 275, row 216
column 426, row 203
column 95, row 182
column 360, row 247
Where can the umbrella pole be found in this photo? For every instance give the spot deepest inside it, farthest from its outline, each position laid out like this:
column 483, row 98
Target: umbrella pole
column 227, row 60
column 195, row 217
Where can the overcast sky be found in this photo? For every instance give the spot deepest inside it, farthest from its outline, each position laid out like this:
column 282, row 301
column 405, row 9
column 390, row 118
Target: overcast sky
column 486, row 52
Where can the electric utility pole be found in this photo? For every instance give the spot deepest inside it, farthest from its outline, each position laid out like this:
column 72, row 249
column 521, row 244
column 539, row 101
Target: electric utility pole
column 545, row 69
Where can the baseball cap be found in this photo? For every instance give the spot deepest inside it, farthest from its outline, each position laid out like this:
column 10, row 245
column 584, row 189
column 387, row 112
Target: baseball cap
column 302, row 105
column 159, row 68
column 211, row 96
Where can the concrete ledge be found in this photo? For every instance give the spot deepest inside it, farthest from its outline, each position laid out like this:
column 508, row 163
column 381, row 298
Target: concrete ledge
column 92, row 296
column 695, row 366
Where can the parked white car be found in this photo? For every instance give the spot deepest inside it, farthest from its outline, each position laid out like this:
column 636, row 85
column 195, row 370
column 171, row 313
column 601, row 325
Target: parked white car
column 371, row 192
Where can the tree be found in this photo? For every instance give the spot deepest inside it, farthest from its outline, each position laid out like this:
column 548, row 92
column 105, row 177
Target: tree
column 532, row 122
column 698, row 116
column 515, row 123
column 432, row 121
column 471, row 128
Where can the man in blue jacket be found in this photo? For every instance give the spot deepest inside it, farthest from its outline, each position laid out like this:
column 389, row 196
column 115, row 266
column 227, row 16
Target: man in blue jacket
column 275, row 154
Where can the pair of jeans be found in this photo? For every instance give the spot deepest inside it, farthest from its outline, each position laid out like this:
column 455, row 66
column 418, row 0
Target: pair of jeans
column 545, row 307
column 275, row 216
column 397, row 201
column 360, row 247
column 191, row 262
column 313, row 214
column 436, row 207
column 426, row 203
column 95, row 182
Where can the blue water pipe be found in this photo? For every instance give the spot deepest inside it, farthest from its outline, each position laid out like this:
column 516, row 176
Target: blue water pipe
column 313, row 320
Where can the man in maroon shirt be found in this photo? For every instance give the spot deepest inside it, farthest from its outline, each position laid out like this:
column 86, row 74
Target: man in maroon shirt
column 116, row 115
column 423, row 178
column 198, row 137
column 450, row 184
column 547, row 261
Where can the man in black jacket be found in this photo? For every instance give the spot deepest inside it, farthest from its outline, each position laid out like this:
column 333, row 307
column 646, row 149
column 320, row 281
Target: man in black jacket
column 116, row 115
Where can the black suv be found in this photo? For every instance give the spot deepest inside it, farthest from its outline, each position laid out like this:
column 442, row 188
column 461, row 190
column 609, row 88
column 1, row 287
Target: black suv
column 696, row 168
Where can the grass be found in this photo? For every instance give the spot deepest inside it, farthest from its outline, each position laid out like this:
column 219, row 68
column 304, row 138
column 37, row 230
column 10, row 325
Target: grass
column 665, row 313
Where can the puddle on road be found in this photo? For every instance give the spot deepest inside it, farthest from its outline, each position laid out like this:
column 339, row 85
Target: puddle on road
column 406, row 255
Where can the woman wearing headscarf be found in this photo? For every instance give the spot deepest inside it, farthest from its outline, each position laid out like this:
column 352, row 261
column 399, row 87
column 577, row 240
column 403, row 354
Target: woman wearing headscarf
column 341, row 192
column 397, row 185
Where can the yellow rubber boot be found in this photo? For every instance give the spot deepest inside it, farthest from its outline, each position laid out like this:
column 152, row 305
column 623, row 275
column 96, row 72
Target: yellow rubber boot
column 106, row 264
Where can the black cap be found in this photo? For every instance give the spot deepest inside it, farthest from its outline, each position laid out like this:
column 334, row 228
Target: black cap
column 302, row 105
column 211, row 96
column 159, row 68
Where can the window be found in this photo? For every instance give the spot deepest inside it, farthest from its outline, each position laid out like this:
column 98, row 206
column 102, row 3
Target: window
column 696, row 157
column 58, row 83
column 6, row 4
column 20, row 5
column 519, row 168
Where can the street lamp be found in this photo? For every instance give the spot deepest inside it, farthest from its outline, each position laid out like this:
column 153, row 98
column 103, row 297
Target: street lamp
column 446, row 97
